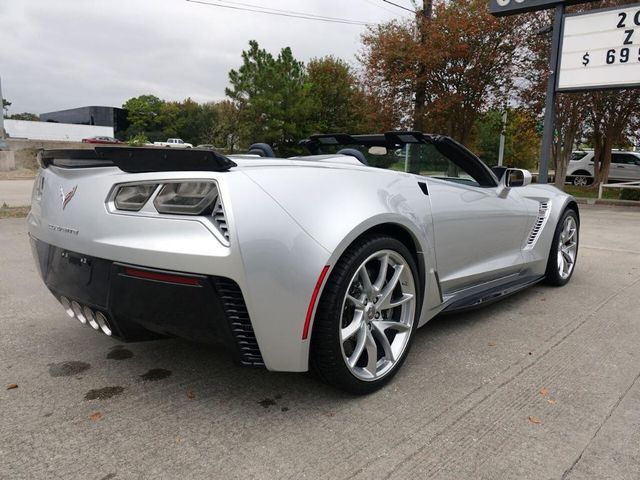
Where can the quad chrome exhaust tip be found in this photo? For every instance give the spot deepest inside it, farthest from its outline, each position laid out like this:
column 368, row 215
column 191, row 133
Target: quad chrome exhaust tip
column 78, row 313
column 85, row 315
column 104, row 324
column 91, row 318
column 66, row 304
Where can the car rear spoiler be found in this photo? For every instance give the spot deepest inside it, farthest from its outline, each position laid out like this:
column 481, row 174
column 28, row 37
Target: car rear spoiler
column 138, row 159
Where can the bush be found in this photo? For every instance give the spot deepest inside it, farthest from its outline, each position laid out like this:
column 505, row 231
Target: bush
column 138, row 140
column 629, row 194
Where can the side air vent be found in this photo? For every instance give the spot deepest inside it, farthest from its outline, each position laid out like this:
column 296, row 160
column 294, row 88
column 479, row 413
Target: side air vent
column 239, row 322
column 543, row 214
column 220, row 218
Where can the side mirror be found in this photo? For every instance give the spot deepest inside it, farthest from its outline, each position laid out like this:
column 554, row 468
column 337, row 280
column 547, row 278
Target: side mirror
column 516, row 177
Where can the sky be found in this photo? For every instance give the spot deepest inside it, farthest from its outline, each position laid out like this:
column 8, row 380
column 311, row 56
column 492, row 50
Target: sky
column 58, row 54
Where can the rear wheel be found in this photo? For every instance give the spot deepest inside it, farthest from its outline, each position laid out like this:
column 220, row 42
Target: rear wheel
column 366, row 316
column 564, row 250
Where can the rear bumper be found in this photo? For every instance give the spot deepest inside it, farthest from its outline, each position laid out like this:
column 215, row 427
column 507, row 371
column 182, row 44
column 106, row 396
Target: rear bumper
column 135, row 300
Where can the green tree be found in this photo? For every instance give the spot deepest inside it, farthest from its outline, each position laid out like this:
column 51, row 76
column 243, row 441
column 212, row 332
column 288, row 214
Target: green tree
column 335, row 94
column 272, row 97
column 5, row 105
column 195, row 121
column 142, row 114
column 522, row 142
column 612, row 120
column 24, row 116
column 225, row 131
column 459, row 56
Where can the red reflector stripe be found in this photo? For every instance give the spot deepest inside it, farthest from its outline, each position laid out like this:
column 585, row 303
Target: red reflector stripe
column 162, row 277
column 312, row 302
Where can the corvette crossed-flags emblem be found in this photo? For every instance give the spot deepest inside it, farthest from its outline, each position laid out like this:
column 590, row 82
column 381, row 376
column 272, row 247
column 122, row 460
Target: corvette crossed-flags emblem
column 65, row 198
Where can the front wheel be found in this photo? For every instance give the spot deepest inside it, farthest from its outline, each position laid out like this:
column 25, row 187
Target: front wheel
column 564, row 249
column 366, row 316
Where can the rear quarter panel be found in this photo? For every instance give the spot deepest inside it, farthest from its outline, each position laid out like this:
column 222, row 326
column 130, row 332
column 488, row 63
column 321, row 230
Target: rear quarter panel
column 337, row 205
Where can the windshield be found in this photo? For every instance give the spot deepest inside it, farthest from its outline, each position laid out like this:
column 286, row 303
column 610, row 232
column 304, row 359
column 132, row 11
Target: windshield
column 420, row 158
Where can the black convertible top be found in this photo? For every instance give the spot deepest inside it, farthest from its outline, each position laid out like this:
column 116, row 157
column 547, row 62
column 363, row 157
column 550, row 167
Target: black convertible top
column 447, row 146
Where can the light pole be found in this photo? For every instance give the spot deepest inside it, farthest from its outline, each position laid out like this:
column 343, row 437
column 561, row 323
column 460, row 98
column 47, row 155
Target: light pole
column 502, row 135
column 3, row 144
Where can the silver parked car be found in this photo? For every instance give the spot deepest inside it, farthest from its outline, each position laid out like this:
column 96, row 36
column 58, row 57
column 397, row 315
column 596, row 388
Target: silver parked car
column 320, row 261
column 625, row 167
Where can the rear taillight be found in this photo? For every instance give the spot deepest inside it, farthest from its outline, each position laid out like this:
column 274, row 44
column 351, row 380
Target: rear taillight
column 133, row 197
column 186, row 198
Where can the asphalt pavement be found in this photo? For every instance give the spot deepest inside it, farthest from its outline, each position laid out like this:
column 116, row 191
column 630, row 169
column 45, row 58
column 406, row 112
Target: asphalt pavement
column 543, row 385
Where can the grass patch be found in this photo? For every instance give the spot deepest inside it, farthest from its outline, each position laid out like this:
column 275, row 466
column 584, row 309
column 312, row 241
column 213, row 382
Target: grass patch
column 588, row 192
column 13, row 212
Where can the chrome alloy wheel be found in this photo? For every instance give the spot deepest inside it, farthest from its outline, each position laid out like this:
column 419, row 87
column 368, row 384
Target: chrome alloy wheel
column 580, row 181
column 378, row 312
column 567, row 247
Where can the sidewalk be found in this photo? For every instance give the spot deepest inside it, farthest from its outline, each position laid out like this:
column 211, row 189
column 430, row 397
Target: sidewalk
column 16, row 193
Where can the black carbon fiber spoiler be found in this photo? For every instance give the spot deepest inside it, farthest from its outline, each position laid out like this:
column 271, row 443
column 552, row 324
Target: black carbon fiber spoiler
column 138, row 159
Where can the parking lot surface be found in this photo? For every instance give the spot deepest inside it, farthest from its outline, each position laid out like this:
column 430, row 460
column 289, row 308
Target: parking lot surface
column 542, row 385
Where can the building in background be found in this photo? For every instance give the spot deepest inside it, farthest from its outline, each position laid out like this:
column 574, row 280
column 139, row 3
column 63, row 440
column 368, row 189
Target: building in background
column 113, row 117
column 67, row 132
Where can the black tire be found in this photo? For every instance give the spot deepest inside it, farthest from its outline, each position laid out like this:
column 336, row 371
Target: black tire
column 326, row 358
column 552, row 274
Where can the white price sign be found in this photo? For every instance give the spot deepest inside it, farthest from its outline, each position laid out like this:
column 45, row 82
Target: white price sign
column 600, row 49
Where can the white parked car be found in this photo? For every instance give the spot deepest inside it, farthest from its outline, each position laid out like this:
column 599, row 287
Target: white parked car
column 625, row 167
column 173, row 143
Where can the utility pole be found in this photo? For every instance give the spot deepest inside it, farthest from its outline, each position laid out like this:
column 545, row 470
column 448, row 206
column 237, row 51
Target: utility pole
column 550, row 102
column 503, row 131
column 422, row 20
column 3, row 144
column 7, row 157
column 420, row 95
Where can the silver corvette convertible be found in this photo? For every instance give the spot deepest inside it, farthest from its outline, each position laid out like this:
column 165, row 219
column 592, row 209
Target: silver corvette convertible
column 328, row 261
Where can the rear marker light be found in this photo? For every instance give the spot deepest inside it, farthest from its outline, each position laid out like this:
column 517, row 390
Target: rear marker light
column 161, row 277
column 312, row 302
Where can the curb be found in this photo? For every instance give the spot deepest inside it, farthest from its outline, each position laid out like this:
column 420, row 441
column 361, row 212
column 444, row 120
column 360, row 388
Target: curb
column 612, row 203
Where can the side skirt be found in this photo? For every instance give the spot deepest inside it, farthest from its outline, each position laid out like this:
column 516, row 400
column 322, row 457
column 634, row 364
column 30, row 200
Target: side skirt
column 490, row 296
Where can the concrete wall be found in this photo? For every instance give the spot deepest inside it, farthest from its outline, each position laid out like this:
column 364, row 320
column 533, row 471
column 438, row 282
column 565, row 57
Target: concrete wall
column 7, row 160
column 54, row 131
column 26, row 150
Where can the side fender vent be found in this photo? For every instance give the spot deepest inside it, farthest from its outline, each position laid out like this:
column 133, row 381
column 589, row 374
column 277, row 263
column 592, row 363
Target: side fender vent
column 543, row 214
column 220, row 218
